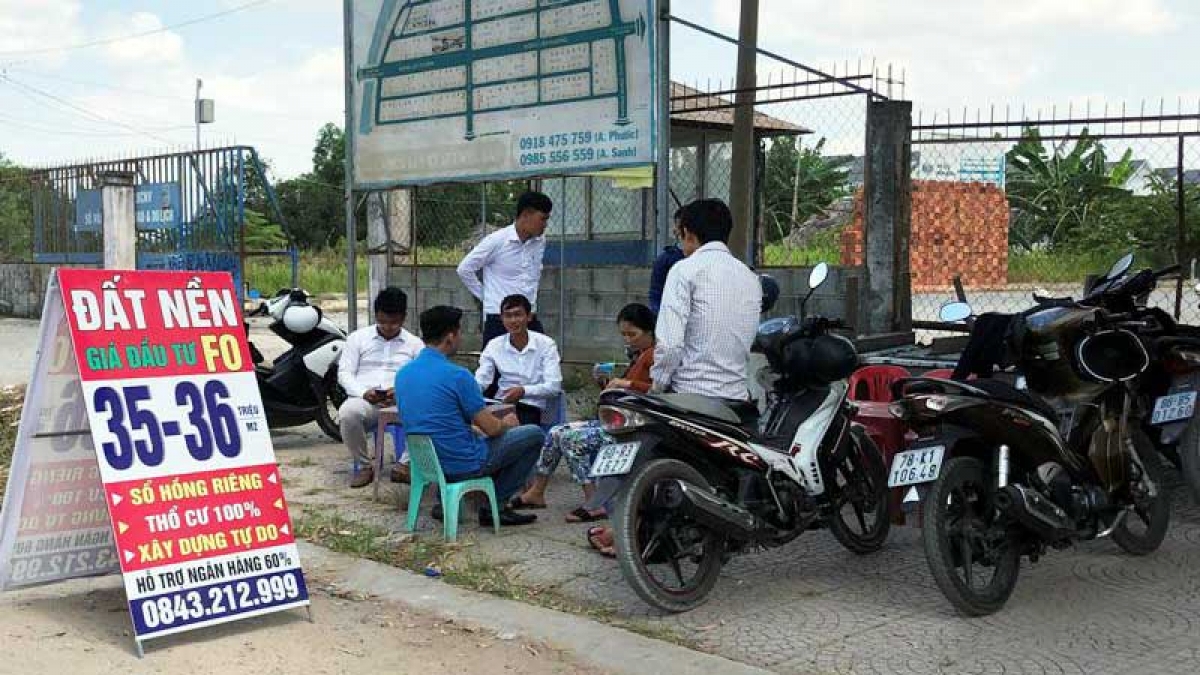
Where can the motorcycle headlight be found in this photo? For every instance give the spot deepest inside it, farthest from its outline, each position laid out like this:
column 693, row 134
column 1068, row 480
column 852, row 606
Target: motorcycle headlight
column 616, row 420
column 936, row 403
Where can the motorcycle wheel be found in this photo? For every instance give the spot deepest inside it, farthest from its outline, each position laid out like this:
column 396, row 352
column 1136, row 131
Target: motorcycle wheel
column 331, row 397
column 959, row 538
column 1188, row 451
column 859, row 517
column 658, row 546
column 1142, row 531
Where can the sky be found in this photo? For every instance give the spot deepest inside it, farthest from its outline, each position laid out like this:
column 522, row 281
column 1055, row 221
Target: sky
column 75, row 85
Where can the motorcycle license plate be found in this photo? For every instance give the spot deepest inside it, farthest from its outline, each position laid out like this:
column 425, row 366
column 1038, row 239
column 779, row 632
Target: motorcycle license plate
column 614, row 460
column 913, row 467
column 1174, row 407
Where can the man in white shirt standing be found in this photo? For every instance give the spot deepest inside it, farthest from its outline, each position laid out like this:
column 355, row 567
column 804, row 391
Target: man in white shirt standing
column 526, row 361
column 510, row 261
column 367, row 371
column 710, row 310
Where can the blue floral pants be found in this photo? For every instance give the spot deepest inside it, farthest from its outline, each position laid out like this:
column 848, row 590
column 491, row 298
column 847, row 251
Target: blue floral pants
column 578, row 443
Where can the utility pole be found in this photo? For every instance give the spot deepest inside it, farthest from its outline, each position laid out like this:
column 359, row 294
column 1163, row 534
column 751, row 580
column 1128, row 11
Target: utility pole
column 742, row 184
column 204, row 111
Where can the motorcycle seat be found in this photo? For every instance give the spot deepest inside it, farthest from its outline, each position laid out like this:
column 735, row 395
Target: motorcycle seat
column 1006, row 393
column 736, row 413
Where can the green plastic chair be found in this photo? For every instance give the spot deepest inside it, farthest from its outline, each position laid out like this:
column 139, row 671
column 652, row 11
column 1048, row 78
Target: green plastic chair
column 426, row 469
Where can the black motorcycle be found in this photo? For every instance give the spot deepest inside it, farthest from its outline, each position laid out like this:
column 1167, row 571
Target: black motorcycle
column 697, row 480
column 1167, row 391
column 1009, row 472
column 301, row 385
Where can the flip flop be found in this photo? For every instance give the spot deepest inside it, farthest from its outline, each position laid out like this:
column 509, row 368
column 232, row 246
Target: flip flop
column 518, row 504
column 582, row 515
column 592, row 538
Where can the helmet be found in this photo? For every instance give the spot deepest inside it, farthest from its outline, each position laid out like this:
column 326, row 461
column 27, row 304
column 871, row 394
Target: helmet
column 820, row 360
column 301, row 319
column 770, row 292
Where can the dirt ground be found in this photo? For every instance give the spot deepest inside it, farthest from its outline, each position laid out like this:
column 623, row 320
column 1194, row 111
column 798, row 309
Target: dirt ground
column 83, row 627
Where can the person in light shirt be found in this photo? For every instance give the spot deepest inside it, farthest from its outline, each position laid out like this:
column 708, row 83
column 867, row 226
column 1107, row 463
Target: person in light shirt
column 525, row 361
column 510, row 263
column 366, row 371
column 710, row 310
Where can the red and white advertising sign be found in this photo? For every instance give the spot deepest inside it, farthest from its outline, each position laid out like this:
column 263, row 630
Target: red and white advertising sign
column 199, row 523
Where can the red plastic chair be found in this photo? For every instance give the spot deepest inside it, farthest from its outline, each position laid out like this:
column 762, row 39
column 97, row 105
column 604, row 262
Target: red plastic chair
column 940, row 373
column 874, row 383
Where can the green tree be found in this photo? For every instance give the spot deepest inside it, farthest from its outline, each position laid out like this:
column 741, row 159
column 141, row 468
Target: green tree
column 314, row 203
column 1060, row 196
column 800, row 183
column 16, row 212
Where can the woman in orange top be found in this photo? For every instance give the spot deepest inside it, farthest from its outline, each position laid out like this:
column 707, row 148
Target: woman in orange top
column 578, row 442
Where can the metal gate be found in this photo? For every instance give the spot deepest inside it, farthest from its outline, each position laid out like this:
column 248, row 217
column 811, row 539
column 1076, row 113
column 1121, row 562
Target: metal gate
column 190, row 211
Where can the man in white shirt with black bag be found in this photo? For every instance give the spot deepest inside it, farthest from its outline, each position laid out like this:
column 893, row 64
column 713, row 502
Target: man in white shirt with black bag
column 510, row 263
column 710, row 310
column 367, row 371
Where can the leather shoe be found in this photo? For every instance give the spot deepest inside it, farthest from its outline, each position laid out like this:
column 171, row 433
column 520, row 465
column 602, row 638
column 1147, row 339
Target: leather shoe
column 362, row 478
column 508, row 517
column 401, row 473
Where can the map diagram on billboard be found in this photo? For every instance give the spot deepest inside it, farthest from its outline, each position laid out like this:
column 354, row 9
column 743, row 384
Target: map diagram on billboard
column 450, row 89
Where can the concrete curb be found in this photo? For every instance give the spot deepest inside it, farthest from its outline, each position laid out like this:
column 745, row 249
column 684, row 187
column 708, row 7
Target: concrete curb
column 605, row 647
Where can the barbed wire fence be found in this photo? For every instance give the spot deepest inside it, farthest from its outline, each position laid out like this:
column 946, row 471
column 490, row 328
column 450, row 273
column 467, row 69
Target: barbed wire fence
column 1012, row 202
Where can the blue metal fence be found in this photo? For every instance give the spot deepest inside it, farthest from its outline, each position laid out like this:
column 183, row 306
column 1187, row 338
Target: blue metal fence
column 190, row 209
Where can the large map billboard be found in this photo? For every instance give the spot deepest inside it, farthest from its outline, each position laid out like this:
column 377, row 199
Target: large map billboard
column 494, row 89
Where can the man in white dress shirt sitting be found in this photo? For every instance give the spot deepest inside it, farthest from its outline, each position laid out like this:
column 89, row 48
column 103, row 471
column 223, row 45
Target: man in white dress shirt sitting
column 710, row 310
column 526, row 362
column 510, row 261
column 367, row 371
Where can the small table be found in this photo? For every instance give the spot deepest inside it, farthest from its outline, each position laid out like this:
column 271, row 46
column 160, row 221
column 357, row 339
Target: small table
column 389, row 415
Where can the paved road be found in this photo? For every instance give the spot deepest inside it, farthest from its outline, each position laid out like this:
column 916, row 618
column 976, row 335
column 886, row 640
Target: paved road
column 812, row 607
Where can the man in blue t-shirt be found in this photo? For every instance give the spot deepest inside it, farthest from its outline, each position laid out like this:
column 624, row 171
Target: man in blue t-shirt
column 440, row 399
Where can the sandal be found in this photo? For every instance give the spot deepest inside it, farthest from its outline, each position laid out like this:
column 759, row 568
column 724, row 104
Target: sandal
column 593, row 537
column 582, row 515
column 518, row 504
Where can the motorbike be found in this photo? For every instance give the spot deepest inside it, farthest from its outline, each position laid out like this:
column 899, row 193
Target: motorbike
column 703, row 479
column 301, row 385
column 1167, row 391
column 1009, row 471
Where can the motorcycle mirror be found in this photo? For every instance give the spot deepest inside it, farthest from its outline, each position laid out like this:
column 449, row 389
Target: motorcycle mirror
column 1120, row 267
column 818, row 275
column 954, row 312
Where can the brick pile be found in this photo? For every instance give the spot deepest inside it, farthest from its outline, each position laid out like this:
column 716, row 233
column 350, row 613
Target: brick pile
column 957, row 228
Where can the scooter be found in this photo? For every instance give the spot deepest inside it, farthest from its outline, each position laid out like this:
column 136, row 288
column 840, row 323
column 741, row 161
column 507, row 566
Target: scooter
column 697, row 480
column 301, row 386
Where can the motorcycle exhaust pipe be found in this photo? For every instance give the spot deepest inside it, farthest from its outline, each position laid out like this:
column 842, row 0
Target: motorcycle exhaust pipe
column 706, row 508
column 1035, row 512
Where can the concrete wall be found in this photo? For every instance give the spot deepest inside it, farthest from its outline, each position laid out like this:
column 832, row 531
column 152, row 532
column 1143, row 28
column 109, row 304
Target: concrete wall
column 23, row 289
column 595, row 295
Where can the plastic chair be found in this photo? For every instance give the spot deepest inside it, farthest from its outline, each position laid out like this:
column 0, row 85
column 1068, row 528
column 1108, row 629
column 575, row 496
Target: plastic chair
column 874, row 383
column 426, row 469
column 940, row 373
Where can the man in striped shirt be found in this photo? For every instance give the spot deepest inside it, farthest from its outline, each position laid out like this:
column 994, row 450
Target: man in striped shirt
column 710, row 310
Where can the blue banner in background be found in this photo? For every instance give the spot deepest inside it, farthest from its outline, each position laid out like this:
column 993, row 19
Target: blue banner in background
column 156, row 207
column 89, row 214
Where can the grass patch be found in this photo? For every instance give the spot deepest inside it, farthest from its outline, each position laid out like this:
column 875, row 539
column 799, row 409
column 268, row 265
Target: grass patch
column 1055, row 267
column 459, row 567
column 325, row 271
column 11, row 400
